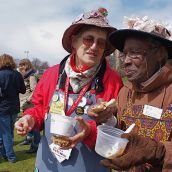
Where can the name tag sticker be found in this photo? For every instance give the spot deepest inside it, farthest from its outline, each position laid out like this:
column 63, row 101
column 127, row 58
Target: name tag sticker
column 60, row 154
column 57, row 107
column 152, row 111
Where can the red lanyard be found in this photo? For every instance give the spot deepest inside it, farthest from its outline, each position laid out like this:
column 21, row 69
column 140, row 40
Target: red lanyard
column 78, row 99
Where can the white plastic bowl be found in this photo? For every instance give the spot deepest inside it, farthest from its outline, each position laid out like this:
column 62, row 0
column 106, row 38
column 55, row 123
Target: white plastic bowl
column 109, row 144
column 62, row 125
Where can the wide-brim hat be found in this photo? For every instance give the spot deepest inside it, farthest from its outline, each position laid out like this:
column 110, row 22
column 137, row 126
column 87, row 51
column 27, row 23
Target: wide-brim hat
column 118, row 38
column 93, row 18
column 142, row 28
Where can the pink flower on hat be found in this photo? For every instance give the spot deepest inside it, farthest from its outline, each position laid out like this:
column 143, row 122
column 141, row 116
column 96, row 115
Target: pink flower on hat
column 103, row 11
column 147, row 25
column 100, row 13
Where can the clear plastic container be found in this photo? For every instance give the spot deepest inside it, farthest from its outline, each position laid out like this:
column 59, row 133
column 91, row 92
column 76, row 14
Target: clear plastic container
column 109, row 143
column 62, row 125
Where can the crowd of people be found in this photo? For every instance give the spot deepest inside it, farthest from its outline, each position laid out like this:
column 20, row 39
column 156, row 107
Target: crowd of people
column 16, row 88
column 81, row 80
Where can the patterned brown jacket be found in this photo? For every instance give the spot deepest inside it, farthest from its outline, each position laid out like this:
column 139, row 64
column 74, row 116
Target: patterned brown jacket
column 157, row 92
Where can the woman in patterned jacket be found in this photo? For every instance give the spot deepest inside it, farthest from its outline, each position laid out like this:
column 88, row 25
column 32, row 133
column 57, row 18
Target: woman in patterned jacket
column 146, row 53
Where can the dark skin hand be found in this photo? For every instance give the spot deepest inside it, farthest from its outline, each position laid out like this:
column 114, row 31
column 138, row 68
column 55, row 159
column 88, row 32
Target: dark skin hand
column 102, row 116
column 140, row 150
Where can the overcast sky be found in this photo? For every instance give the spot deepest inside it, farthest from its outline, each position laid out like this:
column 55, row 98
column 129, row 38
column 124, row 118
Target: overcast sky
column 37, row 26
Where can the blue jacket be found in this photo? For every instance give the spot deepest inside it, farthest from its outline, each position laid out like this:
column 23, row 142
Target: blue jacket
column 11, row 84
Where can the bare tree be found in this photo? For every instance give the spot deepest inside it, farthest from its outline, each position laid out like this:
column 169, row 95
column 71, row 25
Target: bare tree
column 39, row 65
column 36, row 63
column 44, row 65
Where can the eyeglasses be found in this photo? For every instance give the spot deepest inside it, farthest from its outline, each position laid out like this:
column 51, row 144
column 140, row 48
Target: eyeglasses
column 88, row 41
column 135, row 54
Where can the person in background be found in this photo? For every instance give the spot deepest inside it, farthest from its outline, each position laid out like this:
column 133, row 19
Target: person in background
column 2, row 150
column 146, row 53
column 29, row 74
column 11, row 85
column 77, row 82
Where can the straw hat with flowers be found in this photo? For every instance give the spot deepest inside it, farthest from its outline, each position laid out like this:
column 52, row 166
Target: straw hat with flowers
column 93, row 18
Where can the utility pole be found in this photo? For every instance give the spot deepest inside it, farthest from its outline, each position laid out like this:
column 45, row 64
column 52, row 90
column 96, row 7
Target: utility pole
column 27, row 52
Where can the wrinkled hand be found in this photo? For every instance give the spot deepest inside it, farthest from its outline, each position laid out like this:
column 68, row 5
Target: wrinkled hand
column 24, row 125
column 79, row 137
column 103, row 116
column 140, row 150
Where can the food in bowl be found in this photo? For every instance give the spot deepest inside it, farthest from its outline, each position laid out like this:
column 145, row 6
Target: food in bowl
column 62, row 141
column 109, row 143
column 113, row 154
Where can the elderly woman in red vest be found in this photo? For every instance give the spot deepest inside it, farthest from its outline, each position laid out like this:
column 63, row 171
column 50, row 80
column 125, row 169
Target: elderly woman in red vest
column 70, row 88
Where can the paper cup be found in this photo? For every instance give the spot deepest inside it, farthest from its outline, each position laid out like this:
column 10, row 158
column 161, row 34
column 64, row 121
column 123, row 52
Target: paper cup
column 62, row 125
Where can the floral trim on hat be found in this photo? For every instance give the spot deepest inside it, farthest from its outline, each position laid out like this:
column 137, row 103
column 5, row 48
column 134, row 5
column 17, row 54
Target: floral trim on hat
column 147, row 25
column 100, row 13
column 103, row 11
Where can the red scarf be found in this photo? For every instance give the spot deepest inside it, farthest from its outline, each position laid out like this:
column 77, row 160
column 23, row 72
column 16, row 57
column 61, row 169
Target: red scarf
column 74, row 67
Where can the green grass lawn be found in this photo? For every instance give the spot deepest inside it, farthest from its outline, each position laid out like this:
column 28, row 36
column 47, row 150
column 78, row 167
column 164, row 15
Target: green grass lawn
column 25, row 162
